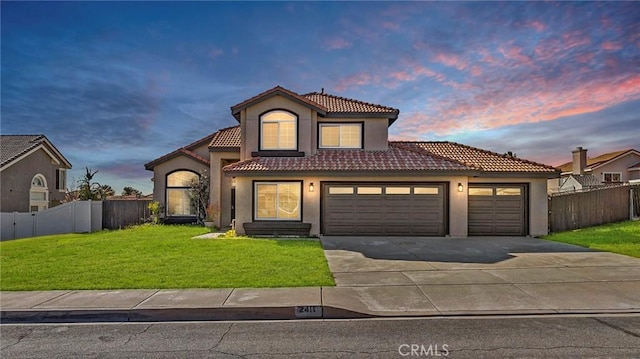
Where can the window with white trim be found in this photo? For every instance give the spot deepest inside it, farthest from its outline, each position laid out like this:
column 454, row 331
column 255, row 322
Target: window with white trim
column 277, row 200
column 178, row 199
column 611, row 177
column 38, row 194
column 278, row 131
column 340, row 135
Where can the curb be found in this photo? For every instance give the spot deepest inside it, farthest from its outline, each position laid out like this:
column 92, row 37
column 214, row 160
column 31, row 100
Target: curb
column 246, row 314
column 171, row 314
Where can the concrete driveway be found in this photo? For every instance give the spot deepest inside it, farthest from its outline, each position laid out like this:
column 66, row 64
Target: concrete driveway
column 427, row 276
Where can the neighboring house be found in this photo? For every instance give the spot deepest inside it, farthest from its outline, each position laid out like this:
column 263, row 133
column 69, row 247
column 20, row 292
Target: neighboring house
column 33, row 173
column 585, row 173
column 322, row 164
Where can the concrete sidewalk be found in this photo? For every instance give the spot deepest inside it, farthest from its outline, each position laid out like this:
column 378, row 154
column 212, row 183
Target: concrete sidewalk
column 380, row 277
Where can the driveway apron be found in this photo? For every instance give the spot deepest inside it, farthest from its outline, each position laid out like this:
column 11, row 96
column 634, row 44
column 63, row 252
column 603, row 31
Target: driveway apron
column 518, row 275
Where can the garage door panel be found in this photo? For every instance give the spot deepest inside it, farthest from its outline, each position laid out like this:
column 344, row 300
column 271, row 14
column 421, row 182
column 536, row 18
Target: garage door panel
column 503, row 213
column 395, row 213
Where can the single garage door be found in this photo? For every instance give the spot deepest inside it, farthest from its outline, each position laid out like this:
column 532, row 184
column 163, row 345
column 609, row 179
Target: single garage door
column 497, row 210
column 389, row 209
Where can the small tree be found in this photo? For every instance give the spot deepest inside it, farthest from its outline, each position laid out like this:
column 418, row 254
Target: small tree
column 87, row 188
column 199, row 193
column 90, row 190
column 130, row 191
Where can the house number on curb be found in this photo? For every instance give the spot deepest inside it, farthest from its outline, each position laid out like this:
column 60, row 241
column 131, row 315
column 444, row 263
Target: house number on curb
column 309, row 311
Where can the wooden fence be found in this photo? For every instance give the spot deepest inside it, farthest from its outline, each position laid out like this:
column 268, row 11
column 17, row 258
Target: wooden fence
column 592, row 208
column 118, row 214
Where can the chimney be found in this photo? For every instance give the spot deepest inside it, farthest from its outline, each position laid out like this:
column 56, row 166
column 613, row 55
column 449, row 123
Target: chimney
column 579, row 160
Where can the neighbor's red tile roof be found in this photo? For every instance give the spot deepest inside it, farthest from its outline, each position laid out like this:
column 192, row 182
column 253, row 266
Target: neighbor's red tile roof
column 596, row 161
column 486, row 161
column 322, row 102
column 226, row 138
column 396, row 158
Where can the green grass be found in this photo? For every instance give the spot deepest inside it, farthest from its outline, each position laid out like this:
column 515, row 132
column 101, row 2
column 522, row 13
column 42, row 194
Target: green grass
column 623, row 238
column 159, row 257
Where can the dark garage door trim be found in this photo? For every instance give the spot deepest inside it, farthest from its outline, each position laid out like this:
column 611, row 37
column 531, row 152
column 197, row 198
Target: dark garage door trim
column 497, row 213
column 388, row 225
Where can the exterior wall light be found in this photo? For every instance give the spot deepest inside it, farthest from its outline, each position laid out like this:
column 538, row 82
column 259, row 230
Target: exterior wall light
column 233, row 182
column 311, row 187
column 460, row 187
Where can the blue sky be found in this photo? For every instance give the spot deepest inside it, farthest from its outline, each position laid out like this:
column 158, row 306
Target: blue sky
column 117, row 84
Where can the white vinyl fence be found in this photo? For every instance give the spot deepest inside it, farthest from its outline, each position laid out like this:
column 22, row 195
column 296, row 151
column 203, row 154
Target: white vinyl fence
column 73, row 217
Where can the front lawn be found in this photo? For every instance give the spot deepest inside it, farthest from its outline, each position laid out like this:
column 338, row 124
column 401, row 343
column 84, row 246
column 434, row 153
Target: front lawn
column 159, row 257
column 623, row 238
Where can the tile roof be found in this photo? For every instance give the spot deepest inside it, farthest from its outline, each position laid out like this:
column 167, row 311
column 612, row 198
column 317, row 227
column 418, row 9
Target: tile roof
column 396, row 158
column 486, row 161
column 14, row 146
column 324, row 103
column 596, row 161
column 226, row 138
column 342, row 104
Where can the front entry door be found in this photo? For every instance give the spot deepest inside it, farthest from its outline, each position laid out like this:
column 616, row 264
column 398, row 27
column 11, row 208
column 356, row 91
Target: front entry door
column 233, row 204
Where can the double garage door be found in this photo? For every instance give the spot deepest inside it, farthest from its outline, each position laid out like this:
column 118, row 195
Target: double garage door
column 387, row 209
column 420, row 209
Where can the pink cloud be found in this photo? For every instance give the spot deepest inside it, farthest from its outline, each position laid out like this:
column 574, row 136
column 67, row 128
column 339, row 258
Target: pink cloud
column 450, row 60
column 537, row 25
column 358, row 79
column 575, row 39
column 514, row 53
column 611, row 46
column 585, row 58
column 390, row 25
column 539, row 100
column 337, row 43
column 215, row 53
column 476, row 70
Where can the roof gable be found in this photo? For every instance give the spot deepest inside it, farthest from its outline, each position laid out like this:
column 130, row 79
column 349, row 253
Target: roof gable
column 183, row 151
column 276, row 91
column 325, row 104
column 14, row 148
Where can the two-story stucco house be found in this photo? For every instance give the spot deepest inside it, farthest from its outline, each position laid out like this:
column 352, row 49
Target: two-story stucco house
column 321, row 164
column 584, row 172
column 33, row 173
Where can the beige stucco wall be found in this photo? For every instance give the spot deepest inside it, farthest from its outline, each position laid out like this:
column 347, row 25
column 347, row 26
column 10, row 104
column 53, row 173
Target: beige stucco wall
column 375, row 129
column 15, row 182
column 250, row 123
column 221, row 187
column 161, row 171
column 202, row 150
column 458, row 201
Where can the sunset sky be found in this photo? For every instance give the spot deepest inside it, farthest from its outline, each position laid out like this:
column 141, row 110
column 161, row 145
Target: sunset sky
column 117, row 84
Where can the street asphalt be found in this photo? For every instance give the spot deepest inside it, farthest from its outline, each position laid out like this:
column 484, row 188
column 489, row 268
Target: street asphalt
column 379, row 277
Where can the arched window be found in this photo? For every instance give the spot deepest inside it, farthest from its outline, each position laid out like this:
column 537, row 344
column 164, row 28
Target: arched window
column 178, row 200
column 279, row 131
column 38, row 194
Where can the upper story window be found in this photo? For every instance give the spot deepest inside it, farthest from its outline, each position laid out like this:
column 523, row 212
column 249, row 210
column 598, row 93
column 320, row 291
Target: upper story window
column 612, row 177
column 278, row 131
column 340, row 135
